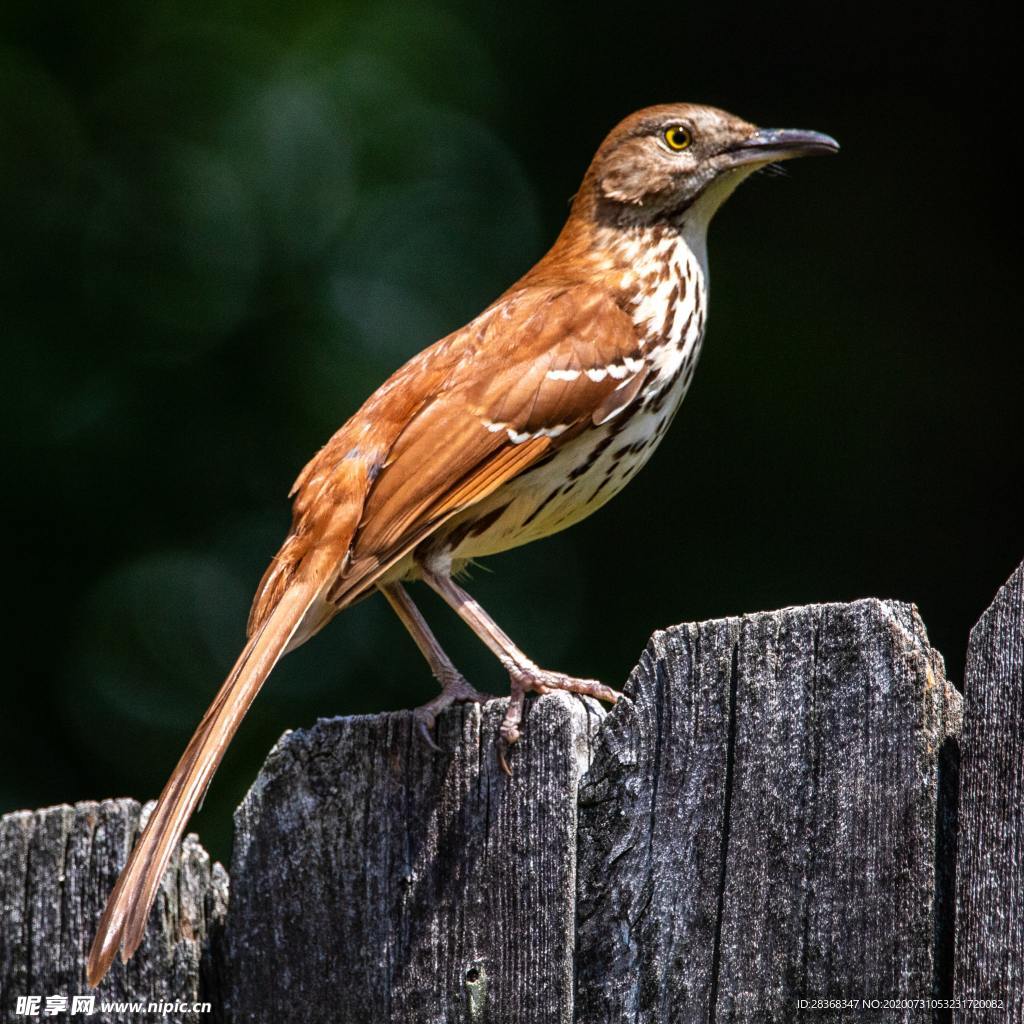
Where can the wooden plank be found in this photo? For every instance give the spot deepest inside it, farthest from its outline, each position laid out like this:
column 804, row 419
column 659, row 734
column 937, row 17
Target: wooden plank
column 57, row 867
column 759, row 822
column 385, row 882
column 990, row 866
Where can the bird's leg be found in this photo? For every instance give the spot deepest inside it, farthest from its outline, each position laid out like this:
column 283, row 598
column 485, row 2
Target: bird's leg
column 524, row 674
column 454, row 686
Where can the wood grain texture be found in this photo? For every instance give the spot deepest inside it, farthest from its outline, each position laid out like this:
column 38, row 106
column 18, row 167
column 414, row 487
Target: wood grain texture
column 376, row 881
column 57, row 867
column 990, row 867
column 770, row 815
column 759, row 822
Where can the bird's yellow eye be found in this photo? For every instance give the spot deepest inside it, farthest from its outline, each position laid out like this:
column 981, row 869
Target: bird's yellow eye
column 678, row 137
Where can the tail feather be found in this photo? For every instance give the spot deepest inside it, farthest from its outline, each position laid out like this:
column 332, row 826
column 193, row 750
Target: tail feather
column 124, row 919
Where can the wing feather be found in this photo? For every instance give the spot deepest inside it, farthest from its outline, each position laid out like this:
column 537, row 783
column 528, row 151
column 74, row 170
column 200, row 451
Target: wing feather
column 464, row 417
column 525, row 392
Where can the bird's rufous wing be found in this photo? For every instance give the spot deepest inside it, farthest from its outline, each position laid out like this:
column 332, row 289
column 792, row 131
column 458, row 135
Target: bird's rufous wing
column 544, row 365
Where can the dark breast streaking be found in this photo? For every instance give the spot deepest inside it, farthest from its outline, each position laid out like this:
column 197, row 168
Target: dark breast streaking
column 661, row 283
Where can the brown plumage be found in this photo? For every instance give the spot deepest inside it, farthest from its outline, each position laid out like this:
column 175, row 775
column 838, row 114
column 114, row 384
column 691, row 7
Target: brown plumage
column 520, row 423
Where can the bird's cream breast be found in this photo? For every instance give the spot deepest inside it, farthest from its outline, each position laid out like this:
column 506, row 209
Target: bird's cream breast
column 668, row 309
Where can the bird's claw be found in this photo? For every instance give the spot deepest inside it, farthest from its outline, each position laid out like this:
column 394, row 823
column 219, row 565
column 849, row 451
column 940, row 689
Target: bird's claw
column 531, row 679
column 426, row 731
column 503, row 749
column 454, row 690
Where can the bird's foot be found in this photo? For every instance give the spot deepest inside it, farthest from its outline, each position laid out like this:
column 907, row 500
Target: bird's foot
column 529, row 678
column 455, row 689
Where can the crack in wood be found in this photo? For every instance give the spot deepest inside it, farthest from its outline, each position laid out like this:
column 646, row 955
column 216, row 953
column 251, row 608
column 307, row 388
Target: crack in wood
column 730, row 760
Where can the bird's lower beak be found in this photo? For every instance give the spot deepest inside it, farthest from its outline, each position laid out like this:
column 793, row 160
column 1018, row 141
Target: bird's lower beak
column 768, row 145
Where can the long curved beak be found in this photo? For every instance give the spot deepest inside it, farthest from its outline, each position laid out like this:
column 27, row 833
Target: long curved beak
column 768, row 145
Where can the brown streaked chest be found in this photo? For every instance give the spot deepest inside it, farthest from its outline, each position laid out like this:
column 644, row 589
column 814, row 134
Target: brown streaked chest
column 661, row 283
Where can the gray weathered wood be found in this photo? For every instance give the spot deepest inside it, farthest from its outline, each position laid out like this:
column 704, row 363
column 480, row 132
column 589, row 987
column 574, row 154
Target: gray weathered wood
column 375, row 881
column 770, row 815
column 990, row 865
column 759, row 821
column 57, row 867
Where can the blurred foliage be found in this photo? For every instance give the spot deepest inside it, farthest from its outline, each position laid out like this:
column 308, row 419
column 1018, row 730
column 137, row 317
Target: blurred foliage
column 224, row 224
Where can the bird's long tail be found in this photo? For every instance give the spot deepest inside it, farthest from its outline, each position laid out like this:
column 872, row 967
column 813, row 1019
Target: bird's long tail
column 124, row 919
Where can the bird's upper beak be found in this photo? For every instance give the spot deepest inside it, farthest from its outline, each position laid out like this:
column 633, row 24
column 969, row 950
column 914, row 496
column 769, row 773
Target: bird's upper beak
column 767, row 145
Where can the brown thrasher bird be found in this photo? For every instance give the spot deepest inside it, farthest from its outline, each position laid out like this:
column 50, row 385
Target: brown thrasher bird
column 516, row 426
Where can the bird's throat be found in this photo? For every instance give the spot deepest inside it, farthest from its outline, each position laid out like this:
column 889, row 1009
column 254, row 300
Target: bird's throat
column 660, row 280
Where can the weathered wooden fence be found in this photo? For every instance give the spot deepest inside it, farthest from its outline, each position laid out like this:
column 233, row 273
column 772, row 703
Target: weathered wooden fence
column 779, row 817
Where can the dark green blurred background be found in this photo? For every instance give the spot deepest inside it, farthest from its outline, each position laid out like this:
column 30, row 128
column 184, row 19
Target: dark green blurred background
column 223, row 224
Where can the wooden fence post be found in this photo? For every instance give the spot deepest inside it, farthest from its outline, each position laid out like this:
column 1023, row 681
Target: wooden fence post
column 990, row 863
column 759, row 823
column 57, row 867
column 373, row 880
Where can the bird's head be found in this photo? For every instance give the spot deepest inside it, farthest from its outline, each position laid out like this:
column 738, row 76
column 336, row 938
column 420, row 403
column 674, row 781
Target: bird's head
column 663, row 161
